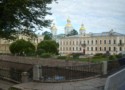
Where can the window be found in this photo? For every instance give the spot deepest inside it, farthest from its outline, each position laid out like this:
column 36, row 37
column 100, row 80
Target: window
column 76, row 42
column 96, row 42
column 114, row 41
column 88, row 48
column 104, row 41
column 88, row 41
column 120, row 48
column 73, row 42
column 109, row 41
column 104, row 48
column 109, row 48
column 76, row 48
column 63, row 48
column 70, row 48
column 100, row 49
column 70, row 42
column 60, row 48
column 80, row 49
column 120, row 42
column 114, row 48
column 92, row 41
column 100, row 42
column 96, row 48
column 91, row 48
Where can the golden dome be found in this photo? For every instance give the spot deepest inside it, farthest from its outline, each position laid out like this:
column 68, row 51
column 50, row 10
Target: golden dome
column 53, row 27
column 68, row 23
column 68, row 20
column 82, row 27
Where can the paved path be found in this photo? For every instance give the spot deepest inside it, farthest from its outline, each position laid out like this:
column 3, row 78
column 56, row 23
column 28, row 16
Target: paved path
column 5, row 85
column 93, row 84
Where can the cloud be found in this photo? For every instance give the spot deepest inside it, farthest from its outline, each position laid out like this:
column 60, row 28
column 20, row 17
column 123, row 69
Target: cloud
column 97, row 15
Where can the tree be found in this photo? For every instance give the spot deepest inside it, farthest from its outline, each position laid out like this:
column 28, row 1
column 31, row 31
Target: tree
column 48, row 46
column 47, row 35
column 21, row 47
column 73, row 32
column 21, row 16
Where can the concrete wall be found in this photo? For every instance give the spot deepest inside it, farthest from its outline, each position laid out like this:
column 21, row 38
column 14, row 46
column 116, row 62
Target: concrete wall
column 116, row 81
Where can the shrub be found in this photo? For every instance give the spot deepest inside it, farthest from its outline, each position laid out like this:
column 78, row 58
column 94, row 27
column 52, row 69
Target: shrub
column 61, row 57
column 119, row 56
column 46, row 55
column 112, row 57
column 22, row 47
column 48, row 46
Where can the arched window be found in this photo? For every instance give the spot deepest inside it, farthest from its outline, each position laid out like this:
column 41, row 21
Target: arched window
column 104, row 41
column 120, row 48
column 96, row 48
column 104, row 48
column 109, row 48
column 100, row 41
column 92, row 41
column 91, row 48
column 96, row 41
column 100, row 49
column 109, row 41
column 88, row 48
column 114, row 48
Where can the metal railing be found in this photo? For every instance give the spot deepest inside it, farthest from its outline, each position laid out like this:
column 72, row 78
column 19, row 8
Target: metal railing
column 11, row 74
column 51, row 74
column 114, row 66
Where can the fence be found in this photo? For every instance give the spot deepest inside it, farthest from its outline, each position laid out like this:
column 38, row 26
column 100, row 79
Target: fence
column 114, row 66
column 13, row 71
column 11, row 74
column 54, row 74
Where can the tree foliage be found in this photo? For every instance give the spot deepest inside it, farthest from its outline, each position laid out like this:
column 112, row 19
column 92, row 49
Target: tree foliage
column 21, row 47
column 73, row 32
column 21, row 16
column 47, row 35
column 48, row 46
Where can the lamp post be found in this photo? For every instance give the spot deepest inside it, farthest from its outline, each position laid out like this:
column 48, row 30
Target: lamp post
column 84, row 46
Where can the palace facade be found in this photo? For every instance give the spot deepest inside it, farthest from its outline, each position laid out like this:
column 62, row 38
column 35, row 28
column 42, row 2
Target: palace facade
column 89, row 43
column 93, row 43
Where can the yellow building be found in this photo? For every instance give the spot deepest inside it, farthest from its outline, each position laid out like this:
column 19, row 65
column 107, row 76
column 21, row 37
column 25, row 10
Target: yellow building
column 4, row 44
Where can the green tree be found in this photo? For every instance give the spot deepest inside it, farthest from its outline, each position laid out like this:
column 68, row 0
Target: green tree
column 48, row 46
column 73, row 32
column 22, row 47
column 15, row 15
column 47, row 35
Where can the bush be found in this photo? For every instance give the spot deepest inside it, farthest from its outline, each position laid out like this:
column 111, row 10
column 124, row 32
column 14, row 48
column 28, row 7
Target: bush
column 61, row 57
column 98, row 54
column 22, row 47
column 46, row 55
column 112, row 57
column 48, row 46
column 119, row 56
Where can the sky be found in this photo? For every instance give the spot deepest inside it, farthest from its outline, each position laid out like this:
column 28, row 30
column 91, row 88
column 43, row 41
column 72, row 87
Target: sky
column 96, row 15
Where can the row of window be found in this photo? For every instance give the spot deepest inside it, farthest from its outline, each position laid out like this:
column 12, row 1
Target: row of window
column 90, row 49
column 89, row 42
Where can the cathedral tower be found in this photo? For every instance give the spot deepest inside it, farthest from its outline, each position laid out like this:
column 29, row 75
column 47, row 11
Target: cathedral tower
column 82, row 29
column 53, row 30
column 68, row 27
